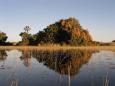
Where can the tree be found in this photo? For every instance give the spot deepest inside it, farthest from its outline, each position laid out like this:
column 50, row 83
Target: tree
column 65, row 31
column 113, row 41
column 25, row 36
column 3, row 38
column 39, row 37
column 27, row 29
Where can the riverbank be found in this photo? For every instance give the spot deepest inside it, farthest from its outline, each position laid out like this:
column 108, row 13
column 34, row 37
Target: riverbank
column 59, row 47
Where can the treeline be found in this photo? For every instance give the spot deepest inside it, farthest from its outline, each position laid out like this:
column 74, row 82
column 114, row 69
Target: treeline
column 63, row 32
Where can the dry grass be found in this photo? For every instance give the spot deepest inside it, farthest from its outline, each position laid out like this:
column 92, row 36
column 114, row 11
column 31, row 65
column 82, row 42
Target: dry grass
column 59, row 47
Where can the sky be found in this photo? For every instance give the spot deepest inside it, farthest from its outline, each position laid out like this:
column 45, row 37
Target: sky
column 98, row 16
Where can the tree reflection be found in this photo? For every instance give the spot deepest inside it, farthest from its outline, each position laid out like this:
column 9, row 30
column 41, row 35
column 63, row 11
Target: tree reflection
column 26, row 57
column 3, row 56
column 63, row 62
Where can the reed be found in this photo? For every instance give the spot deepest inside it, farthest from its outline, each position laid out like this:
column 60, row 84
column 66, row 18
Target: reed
column 60, row 47
column 106, row 81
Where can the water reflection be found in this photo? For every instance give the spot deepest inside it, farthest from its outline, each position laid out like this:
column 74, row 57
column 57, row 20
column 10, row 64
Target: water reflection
column 26, row 57
column 56, row 67
column 63, row 62
column 3, row 56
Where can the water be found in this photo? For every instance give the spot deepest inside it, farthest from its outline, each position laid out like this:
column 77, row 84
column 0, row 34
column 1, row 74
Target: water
column 57, row 68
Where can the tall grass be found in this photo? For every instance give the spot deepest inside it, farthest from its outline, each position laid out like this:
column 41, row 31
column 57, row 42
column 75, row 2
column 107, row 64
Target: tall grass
column 57, row 47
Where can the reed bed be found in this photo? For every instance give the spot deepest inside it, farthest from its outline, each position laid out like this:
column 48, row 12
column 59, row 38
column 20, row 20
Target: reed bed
column 59, row 47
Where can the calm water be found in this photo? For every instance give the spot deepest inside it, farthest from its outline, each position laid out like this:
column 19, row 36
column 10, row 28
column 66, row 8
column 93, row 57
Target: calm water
column 57, row 68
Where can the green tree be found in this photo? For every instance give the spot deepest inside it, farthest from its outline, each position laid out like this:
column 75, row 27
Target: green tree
column 3, row 38
column 25, row 36
column 68, row 31
column 39, row 37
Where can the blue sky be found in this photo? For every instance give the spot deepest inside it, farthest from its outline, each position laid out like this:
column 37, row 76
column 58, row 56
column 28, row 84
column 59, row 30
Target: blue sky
column 98, row 16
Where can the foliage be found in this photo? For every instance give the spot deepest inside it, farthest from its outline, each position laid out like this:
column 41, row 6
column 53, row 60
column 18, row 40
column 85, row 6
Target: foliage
column 25, row 36
column 68, row 31
column 113, row 41
column 63, row 32
column 3, row 38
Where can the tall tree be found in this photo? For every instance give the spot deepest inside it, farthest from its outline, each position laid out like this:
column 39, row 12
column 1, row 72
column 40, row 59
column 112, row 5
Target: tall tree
column 25, row 36
column 27, row 29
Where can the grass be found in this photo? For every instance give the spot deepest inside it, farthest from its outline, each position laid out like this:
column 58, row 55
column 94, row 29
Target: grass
column 59, row 47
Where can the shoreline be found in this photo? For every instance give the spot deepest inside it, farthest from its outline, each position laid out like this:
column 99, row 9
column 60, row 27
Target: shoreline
column 59, row 47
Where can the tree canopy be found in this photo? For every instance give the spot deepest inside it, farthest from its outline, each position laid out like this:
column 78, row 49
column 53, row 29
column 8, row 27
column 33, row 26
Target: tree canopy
column 25, row 36
column 113, row 41
column 3, row 38
column 65, row 31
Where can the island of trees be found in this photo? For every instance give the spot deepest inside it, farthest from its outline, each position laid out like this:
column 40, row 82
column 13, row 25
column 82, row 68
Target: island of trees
column 63, row 32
